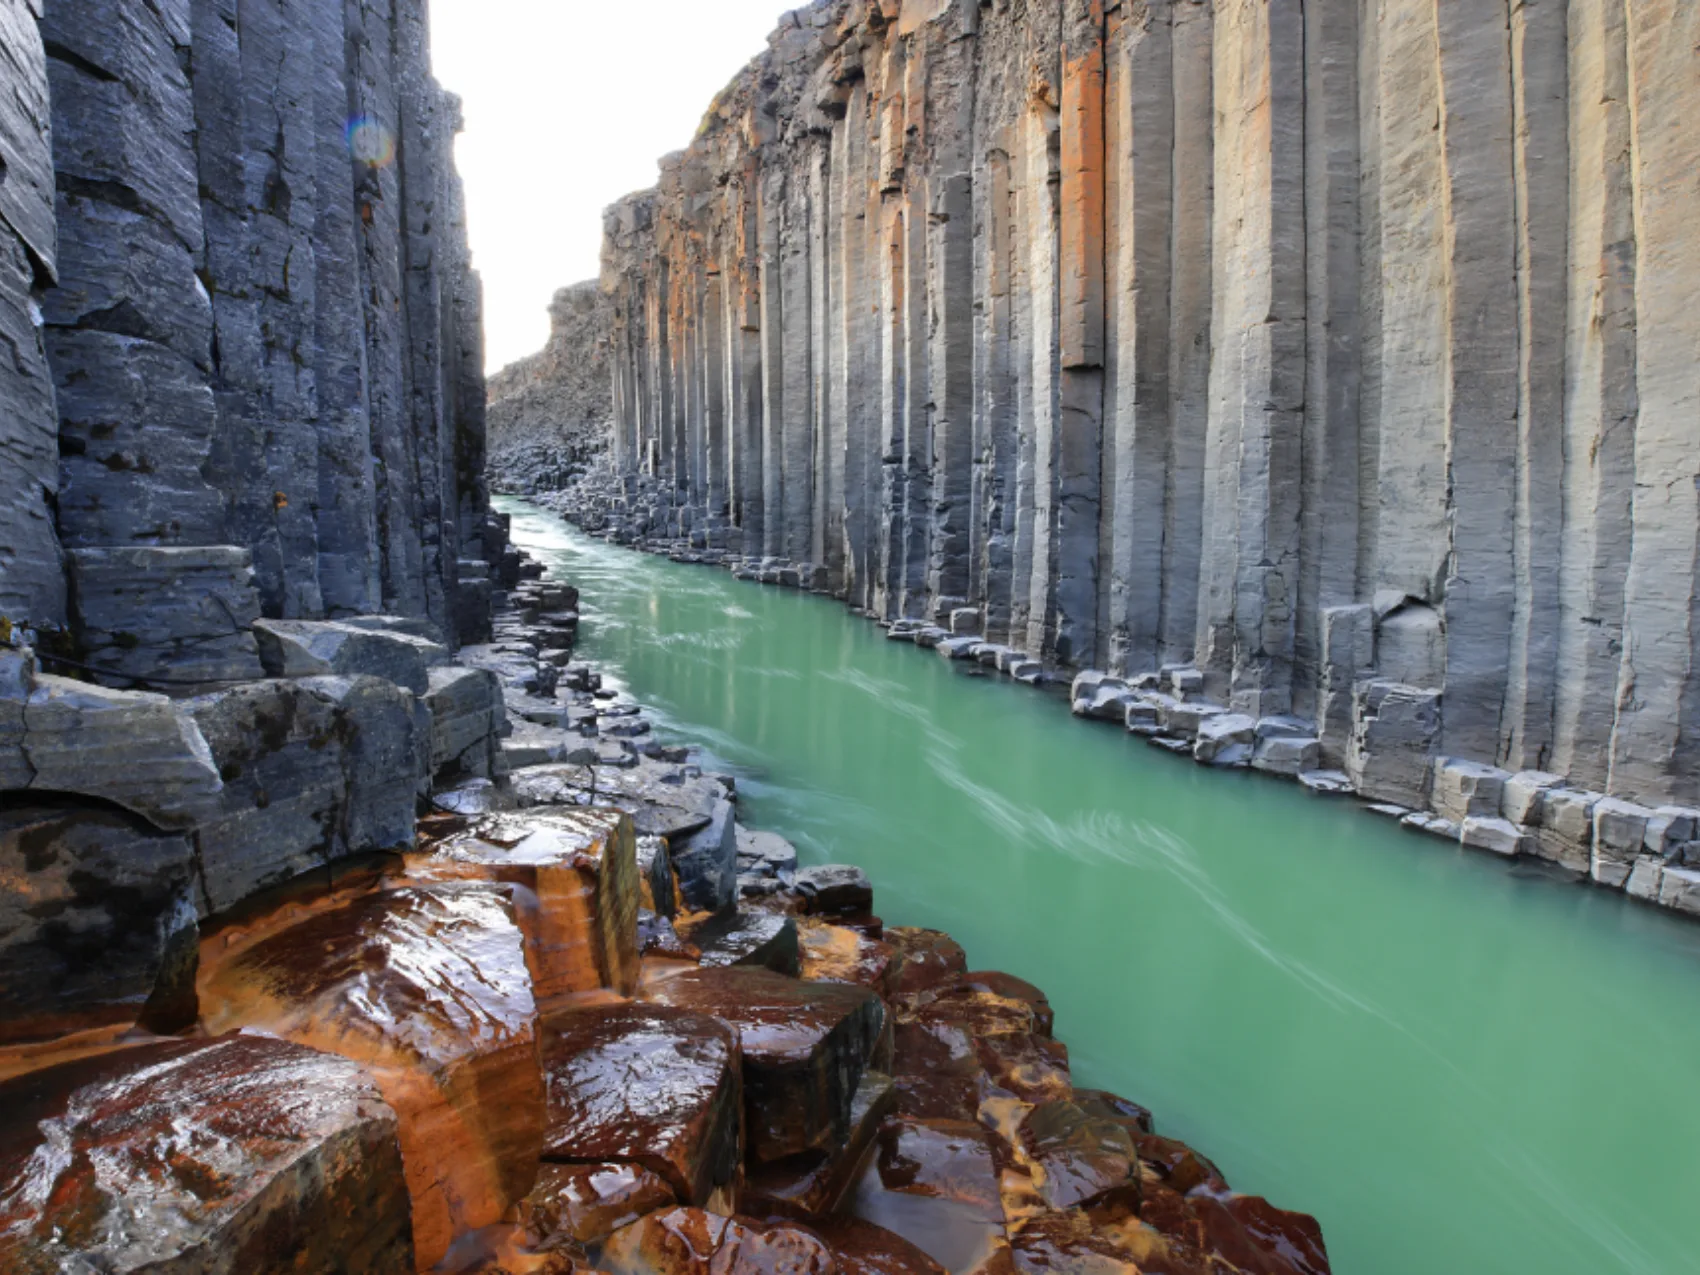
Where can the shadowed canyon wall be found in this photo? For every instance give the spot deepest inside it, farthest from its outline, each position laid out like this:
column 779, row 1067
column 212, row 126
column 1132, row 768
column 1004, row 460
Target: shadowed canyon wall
column 1309, row 342
column 240, row 349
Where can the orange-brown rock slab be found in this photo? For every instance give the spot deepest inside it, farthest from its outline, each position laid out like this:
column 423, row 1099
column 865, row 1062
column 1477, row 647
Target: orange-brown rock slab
column 1076, row 1158
column 811, row 1185
column 693, row 1242
column 579, row 912
column 646, row 1085
column 838, row 954
column 1067, row 1244
column 583, row 1204
column 926, row 958
column 233, row 1155
column 1257, row 1238
column 805, row 1048
column 861, row 1248
column 936, row 1183
column 428, row 988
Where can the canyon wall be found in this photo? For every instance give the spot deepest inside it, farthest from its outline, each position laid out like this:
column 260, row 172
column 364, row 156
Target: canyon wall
column 550, row 414
column 244, row 371
column 1310, row 343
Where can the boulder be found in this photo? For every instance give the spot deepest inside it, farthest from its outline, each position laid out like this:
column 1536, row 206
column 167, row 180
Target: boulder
column 1620, row 835
column 583, row 1204
column 924, row 958
column 1564, row 831
column 706, row 861
column 835, row 889
column 648, row 1086
column 805, row 1048
column 1225, row 739
column 1292, row 755
column 315, row 648
column 225, row 1155
column 97, row 923
column 1497, row 836
column 468, row 717
column 579, row 904
column 428, row 988
column 813, row 1185
column 738, row 937
column 765, row 853
column 838, row 954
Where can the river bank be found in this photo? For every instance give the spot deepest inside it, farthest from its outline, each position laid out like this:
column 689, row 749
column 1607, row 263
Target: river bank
column 1293, row 985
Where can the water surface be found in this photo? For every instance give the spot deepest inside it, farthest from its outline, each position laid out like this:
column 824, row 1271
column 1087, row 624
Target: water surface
column 1457, row 1065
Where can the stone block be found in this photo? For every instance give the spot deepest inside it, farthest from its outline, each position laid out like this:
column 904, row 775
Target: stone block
column 181, row 615
column 936, row 1183
column 1287, row 754
column 965, row 622
column 1183, row 720
column 835, row 889
column 428, row 988
column 204, row 1155
column 1521, row 798
column 468, row 717
column 648, row 1086
column 1465, row 789
column 696, row 1242
column 1679, row 889
column 1671, row 832
column 1564, row 832
column 97, row 923
column 1394, row 732
column 805, row 1048
column 1497, row 836
column 1620, row 836
column 314, row 648
column 580, row 891
column 1225, row 739
column 706, row 861
column 1646, row 878
column 583, row 1204
column 734, row 936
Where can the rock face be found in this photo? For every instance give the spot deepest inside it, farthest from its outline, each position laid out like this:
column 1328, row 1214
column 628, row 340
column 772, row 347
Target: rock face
column 243, row 372
column 550, row 414
column 1304, row 344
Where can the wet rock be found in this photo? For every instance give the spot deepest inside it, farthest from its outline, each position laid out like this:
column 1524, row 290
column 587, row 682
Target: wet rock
column 578, row 909
column 991, row 1002
column 1433, row 825
column 1247, row 1233
column 468, row 717
column 1075, row 1157
column 1679, row 889
column 663, row 800
column 936, row 1184
column 1522, row 793
column 805, row 1048
column 314, row 648
column 1108, row 1106
column 1058, row 1243
column 765, row 853
column 813, row 1184
column 428, row 988
column 583, row 1204
column 1394, row 732
column 1326, row 783
column 861, row 1248
column 835, row 889
column 738, row 937
column 1292, row 755
column 646, row 1085
column 234, row 1154
column 692, row 1242
column 1565, row 831
column 838, row 954
column 656, row 937
column 1620, row 832
column 706, row 861
column 659, row 885
column 97, row 923
column 927, row 958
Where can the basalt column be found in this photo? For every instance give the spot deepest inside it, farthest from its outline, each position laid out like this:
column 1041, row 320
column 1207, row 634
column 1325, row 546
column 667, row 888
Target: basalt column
column 1317, row 345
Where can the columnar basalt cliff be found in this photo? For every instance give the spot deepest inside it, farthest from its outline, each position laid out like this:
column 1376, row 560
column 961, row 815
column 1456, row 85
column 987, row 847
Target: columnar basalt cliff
column 246, row 369
column 1340, row 353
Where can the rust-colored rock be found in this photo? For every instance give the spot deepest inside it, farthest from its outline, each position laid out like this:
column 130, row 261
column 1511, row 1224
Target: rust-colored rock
column 582, row 1204
column 927, row 958
column 232, row 1156
column 805, row 1047
column 646, row 1085
column 692, row 1242
column 428, row 987
column 1067, row 1244
column 1076, row 1158
column 861, row 1248
column 936, row 1183
column 1256, row 1237
column 838, row 954
column 812, row 1185
column 578, row 869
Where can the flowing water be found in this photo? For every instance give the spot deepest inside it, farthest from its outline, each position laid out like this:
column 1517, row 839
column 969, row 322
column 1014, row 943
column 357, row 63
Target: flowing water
column 1458, row 1065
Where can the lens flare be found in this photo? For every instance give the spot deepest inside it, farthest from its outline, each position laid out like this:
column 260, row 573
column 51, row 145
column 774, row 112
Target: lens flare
column 370, row 142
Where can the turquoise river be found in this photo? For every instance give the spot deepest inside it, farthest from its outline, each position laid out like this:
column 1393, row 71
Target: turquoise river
column 1456, row 1064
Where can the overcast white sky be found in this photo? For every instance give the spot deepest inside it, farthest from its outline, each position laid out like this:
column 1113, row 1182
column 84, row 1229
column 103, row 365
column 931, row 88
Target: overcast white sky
column 569, row 103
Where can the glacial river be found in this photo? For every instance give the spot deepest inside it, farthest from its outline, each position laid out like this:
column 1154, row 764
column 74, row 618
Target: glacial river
column 1458, row 1065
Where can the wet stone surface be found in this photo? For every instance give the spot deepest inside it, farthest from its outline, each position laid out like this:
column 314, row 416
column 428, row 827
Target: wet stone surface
column 692, row 1242
column 238, row 1154
column 583, row 1204
column 645, row 1085
column 805, row 1047
column 936, row 1183
column 738, row 937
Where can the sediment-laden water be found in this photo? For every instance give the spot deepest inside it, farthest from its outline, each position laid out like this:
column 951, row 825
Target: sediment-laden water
column 1456, row 1064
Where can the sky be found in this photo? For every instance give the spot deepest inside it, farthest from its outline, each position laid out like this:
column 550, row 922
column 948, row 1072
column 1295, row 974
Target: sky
column 569, row 104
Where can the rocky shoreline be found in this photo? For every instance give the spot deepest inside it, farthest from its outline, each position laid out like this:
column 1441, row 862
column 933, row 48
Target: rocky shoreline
column 579, row 1019
column 1649, row 853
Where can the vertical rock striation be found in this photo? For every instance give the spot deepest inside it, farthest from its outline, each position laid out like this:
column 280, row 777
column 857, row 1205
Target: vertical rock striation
column 1310, row 343
column 240, row 353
